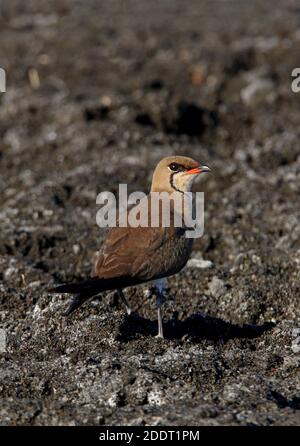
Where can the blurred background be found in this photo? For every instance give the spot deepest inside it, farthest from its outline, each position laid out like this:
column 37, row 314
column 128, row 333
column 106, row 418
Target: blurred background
column 97, row 93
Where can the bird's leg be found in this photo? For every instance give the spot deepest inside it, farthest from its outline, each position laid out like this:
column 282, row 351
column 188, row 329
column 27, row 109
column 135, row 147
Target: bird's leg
column 159, row 291
column 124, row 300
column 159, row 302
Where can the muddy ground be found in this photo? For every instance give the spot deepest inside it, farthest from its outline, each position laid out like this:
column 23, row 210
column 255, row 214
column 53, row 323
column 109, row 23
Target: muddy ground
column 97, row 93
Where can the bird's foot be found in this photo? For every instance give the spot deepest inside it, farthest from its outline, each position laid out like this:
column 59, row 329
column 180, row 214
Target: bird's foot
column 128, row 311
column 160, row 336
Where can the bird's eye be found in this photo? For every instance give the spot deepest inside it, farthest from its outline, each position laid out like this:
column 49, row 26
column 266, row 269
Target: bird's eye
column 174, row 167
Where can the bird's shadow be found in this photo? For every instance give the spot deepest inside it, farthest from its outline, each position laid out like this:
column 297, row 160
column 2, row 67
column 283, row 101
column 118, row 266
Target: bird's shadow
column 196, row 327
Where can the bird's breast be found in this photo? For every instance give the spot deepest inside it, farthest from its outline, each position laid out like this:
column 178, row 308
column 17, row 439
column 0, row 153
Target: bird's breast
column 174, row 254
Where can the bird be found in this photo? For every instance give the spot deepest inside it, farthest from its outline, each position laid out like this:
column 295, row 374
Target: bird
column 130, row 256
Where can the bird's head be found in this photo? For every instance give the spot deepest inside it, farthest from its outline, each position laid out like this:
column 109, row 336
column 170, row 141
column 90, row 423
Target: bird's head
column 176, row 173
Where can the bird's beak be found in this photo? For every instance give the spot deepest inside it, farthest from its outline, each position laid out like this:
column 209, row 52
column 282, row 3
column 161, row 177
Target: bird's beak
column 198, row 170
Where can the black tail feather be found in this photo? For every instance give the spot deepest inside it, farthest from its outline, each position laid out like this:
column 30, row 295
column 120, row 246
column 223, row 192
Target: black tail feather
column 88, row 288
column 95, row 285
column 82, row 292
column 76, row 302
column 90, row 285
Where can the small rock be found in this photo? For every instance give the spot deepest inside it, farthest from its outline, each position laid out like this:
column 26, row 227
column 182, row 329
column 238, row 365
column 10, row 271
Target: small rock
column 9, row 272
column 231, row 393
column 266, row 44
column 34, row 285
column 155, row 397
column 238, row 261
column 199, row 262
column 296, row 332
column 216, row 287
column 76, row 249
column 296, row 345
column 259, row 91
column 147, row 293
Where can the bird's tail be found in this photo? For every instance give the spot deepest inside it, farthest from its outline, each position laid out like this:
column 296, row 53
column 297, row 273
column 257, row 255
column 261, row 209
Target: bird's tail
column 76, row 302
column 88, row 288
column 82, row 291
column 89, row 285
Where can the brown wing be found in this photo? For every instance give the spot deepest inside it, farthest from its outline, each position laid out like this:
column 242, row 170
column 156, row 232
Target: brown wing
column 142, row 253
column 125, row 250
